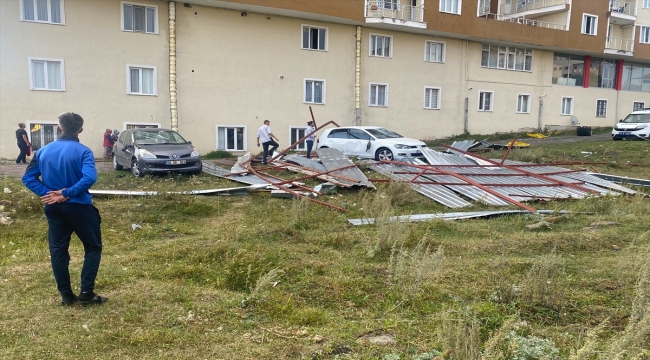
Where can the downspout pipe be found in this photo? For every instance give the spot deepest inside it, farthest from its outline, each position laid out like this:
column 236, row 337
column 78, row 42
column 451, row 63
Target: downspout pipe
column 357, row 79
column 173, row 109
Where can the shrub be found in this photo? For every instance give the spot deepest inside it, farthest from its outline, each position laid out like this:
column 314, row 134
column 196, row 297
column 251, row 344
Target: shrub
column 218, row 154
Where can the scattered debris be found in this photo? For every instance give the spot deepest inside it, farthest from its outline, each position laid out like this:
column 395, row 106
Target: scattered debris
column 622, row 179
column 586, row 153
column 334, row 159
column 135, row 226
column 615, row 247
column 539, row 225
column 378, row 339
column 536, row 135
column 450, row 216
column 5, row 219
column 224, row 192
column 318, row 339
column 7, row 191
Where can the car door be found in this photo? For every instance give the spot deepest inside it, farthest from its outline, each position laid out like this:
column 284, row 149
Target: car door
column 338, row 139
column 358, row 143
column 125, row 148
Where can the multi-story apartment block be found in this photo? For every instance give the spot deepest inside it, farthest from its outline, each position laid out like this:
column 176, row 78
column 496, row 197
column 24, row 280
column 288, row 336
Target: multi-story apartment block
column 215, row 69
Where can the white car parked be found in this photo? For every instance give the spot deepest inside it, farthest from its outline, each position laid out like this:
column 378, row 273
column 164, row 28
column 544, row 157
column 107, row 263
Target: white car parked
column 371, row 142
column 634, row 126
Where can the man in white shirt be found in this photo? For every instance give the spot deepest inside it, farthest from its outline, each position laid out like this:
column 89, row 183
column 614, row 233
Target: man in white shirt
column 310, row 140
column 265, row 135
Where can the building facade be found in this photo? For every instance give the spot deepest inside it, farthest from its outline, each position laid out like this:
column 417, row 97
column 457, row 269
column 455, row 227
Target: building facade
column 215, row 69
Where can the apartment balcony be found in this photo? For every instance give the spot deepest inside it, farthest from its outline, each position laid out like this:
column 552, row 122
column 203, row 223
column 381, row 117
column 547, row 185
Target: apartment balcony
column 393, row 12
column 532, row 8
column 537, row 23
column 622, row 12
column 619, row 46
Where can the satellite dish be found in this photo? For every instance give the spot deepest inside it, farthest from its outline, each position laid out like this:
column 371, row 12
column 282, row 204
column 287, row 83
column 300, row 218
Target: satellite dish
column 574, row 121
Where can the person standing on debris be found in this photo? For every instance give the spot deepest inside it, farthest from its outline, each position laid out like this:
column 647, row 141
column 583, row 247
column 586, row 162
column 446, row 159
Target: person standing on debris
column 265, row 135
column 61, row 174
column 108, row 144
column 23, row 144
column 311, row 138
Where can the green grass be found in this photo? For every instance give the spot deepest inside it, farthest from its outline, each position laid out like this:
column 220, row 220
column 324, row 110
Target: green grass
column 507, row 136
column 256, row 277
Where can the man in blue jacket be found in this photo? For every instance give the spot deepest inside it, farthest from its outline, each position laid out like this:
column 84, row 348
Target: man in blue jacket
column 67, row 170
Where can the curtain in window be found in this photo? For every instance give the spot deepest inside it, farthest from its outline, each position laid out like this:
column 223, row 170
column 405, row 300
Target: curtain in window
column 28, row 9
column 151, row 22
column 138, row 18
column 381, row 95
column 135, row 80
column 494, row 53
column 128, row 17
column 523, row 103
column 305, row 37
column 431, row 99
column 55, row 11
column 240, row 138
column 309, row 91
column 38, row 74
column 147, row 81
column 373, row 95
column 41, row 10
column 318, row 92
column 386, row 46
column 54, row 75
column 230, row 138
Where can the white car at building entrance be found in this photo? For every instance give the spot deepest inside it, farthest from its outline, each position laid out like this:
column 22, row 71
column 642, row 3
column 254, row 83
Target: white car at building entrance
column 634, row 126
column 372, row 142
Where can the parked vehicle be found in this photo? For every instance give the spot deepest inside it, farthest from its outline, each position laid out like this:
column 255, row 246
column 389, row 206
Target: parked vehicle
column 155, row 150
column 371, row 142
column 634, row 126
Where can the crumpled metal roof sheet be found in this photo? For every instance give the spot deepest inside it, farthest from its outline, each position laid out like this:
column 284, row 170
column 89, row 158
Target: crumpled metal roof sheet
column 335, row 159
column 249, row 179
column 451, row 216
column 463, row 145
column 304, row 162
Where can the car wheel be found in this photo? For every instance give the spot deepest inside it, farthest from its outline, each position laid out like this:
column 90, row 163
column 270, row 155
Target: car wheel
column 383, row 154
column 116, row 166
column 135, row 169
column 324, row 147
column 617, row 139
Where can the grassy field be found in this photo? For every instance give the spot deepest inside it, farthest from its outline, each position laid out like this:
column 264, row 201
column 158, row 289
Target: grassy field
column 262, row 278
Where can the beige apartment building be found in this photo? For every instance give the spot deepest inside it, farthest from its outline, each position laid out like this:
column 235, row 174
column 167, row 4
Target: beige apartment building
column 215, row 69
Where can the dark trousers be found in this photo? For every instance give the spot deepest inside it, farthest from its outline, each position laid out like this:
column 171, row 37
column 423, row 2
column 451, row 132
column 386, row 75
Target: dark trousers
column 268, row 151
column 22, row 157
column 310, row 145
column 63, row 219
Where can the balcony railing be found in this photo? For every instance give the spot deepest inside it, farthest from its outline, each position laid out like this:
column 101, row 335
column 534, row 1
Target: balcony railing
column 392, row 10
column 626, row 45
column 526, row 5
column 484, row 10
column 532, row 22
column 622, row 7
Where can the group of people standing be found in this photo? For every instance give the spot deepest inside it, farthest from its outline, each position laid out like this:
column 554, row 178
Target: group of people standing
column 265, row 137
column 110, row 137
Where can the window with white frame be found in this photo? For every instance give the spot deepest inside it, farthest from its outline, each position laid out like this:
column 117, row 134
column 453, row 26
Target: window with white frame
column 42, row 133
column 523, row 103
column 589, row 24
column 485, row 100
column 43, row 11
column 432, row 98
column 141, row 80
column 646, row 4
column 434, row 52
column 297, row 133
column 129, row 126
column 645, row 35
column 314, row 91
column 601, row 108
column 46, row 74
column 380, row 45
column 638, row 105
column 567, row 106
column 378, row 94
column 314, row 38
column 451, row 6
column 139, row 18
column 506, row 57
column 231, row 137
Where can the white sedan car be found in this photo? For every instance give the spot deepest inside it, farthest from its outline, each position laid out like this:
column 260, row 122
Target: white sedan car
column 371, row 142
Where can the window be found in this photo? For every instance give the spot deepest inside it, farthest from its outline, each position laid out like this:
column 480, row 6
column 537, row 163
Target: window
column 567, row 106
column 485, row 100
column 646, row 4
column 434, row 52
column 338, row 134
column 41, row 134
column 314, row 91
column 140, row 80
column 139, row 18
column 636, row 77
column 129, row 126
column 43, row 11
column 451, row 6
column 602, row 73
column 297, row 133
column 506, row 57
column 638, row 105
column 46, row 74
column 431, row 98
column 645, row 35
column 314, row 38
column 380, row 46
column 568, row 69
column 231, row 138
column 589, row 24
column 378, row 94
column 523, row 104
column 358, row 134
column 601, row 108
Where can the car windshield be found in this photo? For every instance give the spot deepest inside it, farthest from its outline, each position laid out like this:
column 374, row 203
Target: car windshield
column 637, row 118
column 158, row 137
column 382, row 133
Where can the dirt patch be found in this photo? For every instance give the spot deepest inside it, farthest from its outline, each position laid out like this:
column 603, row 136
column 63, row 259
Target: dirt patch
column 15, row 170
